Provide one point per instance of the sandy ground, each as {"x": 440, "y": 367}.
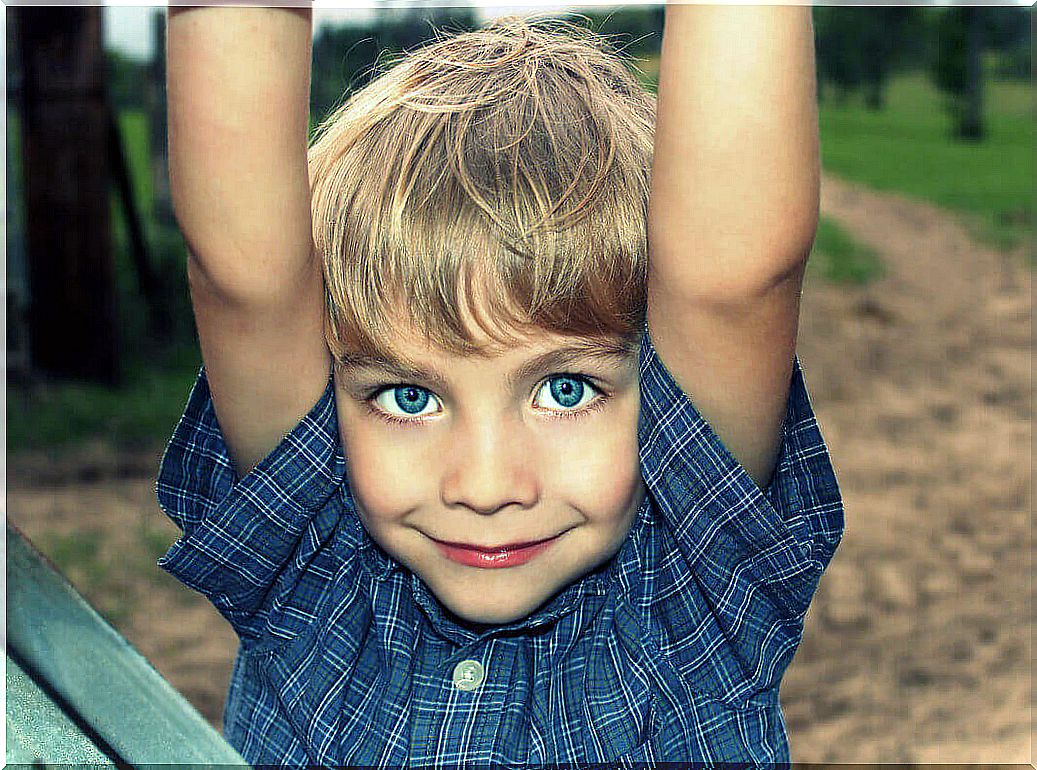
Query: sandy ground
{"x": 917, "y": 646}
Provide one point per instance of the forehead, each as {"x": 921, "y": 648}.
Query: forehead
{"x": 511, "y": 354}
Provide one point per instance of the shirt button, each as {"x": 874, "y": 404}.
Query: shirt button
{"x": 468, "y": 675}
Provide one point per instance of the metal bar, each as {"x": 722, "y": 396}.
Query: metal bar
{"x": 110, "y": 686}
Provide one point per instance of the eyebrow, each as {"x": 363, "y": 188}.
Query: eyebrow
{"x": 556, "y": 359}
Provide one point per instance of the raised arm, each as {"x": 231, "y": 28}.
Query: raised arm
{"x": 733, "y": 213}
{"x": 238, "y": 91}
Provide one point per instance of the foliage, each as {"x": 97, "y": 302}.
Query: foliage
{"x": 158, "y": 372}
{"x": 1015, "y": 62}
{"x": 962, "y": 35}
{"x": 1008, "y": 32}
{"x": 346, "y": 57}
{"x": 902, "y": 148}
{"x": 166, "y": 251}
{"x": 948, "y": 68}
{"x": 634, "y": 31}
{"x": 134, "y": 132}
{"x": 860, "y": 47}
{"x": 128, "y": 80}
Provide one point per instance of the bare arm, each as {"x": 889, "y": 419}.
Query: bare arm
{"x": 733, "y": 213}
{"x": 238, "y": 90}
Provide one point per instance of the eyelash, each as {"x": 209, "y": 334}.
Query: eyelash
{"x": 562, "y": 414}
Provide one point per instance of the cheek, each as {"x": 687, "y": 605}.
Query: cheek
{"x": 602, "y": 474}
{"x": 386, "y": 479}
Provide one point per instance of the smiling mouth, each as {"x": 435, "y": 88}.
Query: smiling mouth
{"x": 511, "y": 555}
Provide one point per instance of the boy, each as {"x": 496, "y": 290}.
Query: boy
{"x": 502, "y": 535}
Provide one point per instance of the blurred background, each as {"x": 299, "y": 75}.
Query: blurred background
{"x": 915, "y": 342}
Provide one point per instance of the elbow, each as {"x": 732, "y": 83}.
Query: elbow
{"x": 730, "y": 269}
{"x": 247, "y": 278}
{"x": 228, "y": 286}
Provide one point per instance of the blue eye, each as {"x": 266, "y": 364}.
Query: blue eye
{"x": 561, "y": 393}
{"x": 565, "y": 391}
{"x": 405, "y": 401}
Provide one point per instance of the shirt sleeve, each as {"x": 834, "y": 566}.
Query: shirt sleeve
{"x": 248, "y": 542}
{"x": 751, "y": 558}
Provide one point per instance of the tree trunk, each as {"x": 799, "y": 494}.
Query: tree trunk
{"x": 875, "y": 94}
{"x": 157, "y": 133}
{"x": 72, "y": 312}
{"x": 971, "y": 126}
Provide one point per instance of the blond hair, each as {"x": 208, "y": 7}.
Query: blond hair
{"x": 503, "y": 172}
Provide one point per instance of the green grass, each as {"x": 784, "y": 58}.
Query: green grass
{"x": 141, "y": 413}
{"x": 838, "y": 258}
{"x": 908, "y": 148}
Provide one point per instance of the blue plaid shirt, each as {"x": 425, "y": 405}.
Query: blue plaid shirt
{"x": 672, "y": 651}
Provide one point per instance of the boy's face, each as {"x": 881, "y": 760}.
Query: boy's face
{"x": 458, "y": 463}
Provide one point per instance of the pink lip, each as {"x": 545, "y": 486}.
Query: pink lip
{"x": 511, "y": 555}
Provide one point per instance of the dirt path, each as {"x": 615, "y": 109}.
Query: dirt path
{"x": 917, "y": 645}
{"x": 916, "y": 648}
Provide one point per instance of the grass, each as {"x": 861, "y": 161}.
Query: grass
{"x": 134, "y": 127}
{"x": 139, "y": 414}
{"x": 838, "y": 258}
{"x": 111, "y": 575}
{"x": 907, "y": 148}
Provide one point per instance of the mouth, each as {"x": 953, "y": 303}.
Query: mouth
{"x": 497, "y": 557}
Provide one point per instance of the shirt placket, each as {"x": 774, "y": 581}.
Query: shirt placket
{"x": 455, "y": 716}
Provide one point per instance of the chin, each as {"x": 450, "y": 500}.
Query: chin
{"x": 490, "y": 613}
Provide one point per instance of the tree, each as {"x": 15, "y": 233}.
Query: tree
{"x": 1009, "y": 32}
{"x": 65, "y": 113}
{"x": 345, "y": 56}
{"x": 838, "y": 62}
{"x": 957, "y": 68}
{"x": 636, "y": 31}
{"x": 127, "y": 80}
{"x": 858, "y": 48}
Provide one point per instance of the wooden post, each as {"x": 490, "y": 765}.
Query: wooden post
{"x": 72, "y": 313}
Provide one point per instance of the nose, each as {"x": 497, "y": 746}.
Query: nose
{"x": 488, "y": 467}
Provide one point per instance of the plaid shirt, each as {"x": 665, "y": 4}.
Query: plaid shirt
{"x": 671, "y": 651}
